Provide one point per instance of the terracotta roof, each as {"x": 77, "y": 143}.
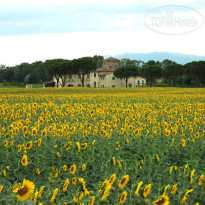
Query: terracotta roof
{"x": 104, "y": 73}
{"x": 112, "y": 59}
{"x": 106, "y": 69}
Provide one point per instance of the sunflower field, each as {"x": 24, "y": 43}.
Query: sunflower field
{"x": 102, "y": 146}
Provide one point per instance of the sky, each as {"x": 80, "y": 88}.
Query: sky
{"x": 37, "y": 30}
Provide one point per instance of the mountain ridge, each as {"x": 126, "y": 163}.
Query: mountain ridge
{"x": 159, "y": 56}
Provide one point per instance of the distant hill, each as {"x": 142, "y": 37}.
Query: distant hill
{"x": 160, "y": 56}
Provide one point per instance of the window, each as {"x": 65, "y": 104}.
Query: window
{"x": 113, "y": 86}
{"x": 138, "y": 82}
{"x": 70, "y": 85}
{"x": 130, "y": 85}
{"x": 113, "y": 78}
{"x": 88, "y": 85}
{"x": 88, "y": 76}
{"x": 70, "y": 76}
{"x": 142, "y": 82}
{"x": 94, "y": 74}
{"x": 79, "y": 77}
{"x": 79, "y": 85}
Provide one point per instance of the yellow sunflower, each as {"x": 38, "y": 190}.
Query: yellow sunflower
{"x": 65, "y": 168}
{"x": 123, "y": 181}
{"x": 119, "y": 164}
{"x": 27, "y": 134}
{"x": 24, "y": 160}
{"x": 25, "y": 191}
{"x": 78, "y": 145}
{"x": 73, "y": 169}
{"x": 43, "y": 133}
{"x": 138, "y": 188}
{"x": 93, "y": 142}
{"x": 74, "y": 180}
{"x": 34, "y": 131}
{"x": 41, "y": 191}
{"x": 68, "y": 145}
{"x": 191, "y": 176}
{"x": 19, "y": 148}
{"x": 146, "y": 191}
{"x": 29, "y": 145}
{"x": 184, "y": 198}
{"x": 162, "y": 200}
{"x": 81, "y": 195}
{"x": 54, "y": 195}
{"x": 1, "y": 188}
{"x": 113, "y": 161}
{"x": 174, "y": 189}
{"x": 39, "y": 142}
{"x": 112, "y": 179}
{"x": 83, "y": 167}
{"x": 35, "y": 196}
{"x": 183, "y": 143}
{"x": 123, "y": 197}
{"x": 84, "y": 145}
{"x": 200, "y": 180}
{"x": 6, "y": 143}
{"x": 165, "y": 189}
{"x": 65, "y": 185}
{"x": 106, "y": 192}
{"x": 25, "y": 129}
{"x": 38, "y": 171}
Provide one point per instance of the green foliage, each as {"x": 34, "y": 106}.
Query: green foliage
{"x": 125, "y": 72}
{"x": 58, "y": 68}
{"x": 172, "y": 72}
{"x": 83, "y": 66}
{"x": 98, "y": 60}
{"x": 196, "y": 72}
{"x": 151, "y": 72}
{"x": 147, "y": 119}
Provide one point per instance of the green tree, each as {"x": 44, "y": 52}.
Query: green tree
{"x": 166, "y": 62}
{"x": 126, "y": 61}
{"x": 57, "y": 68}
{"x": 196, "y": 72}
{"x": 83, "y": 66}
{"x": 172, "y": 72}
{"x": 2, "y": 72}
{"x": 125, "y": 72}
{"x": 38, "y": 73}
{"x": 151, "y": 72}
{"x": 98, "y": 60}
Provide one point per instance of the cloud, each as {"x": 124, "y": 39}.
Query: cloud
{"x": 61, "y": 16}
{"x": 30, "y": 48}
{"x": 41, "y": 29}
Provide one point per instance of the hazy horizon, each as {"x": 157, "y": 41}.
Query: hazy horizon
{"x": 39, "y": 30}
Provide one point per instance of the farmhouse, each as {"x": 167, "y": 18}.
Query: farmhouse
{"x": 103, "y": 77}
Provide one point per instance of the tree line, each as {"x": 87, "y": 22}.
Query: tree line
{"x": 165, "y": 73}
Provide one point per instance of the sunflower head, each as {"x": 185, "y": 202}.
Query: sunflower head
{"x": 146, "y": 191}
{"x": 29, "y": 145}
{"x": 25, "y": 191}
{"x": 24, "y": 160}
{"x": 123, "y": 197}
{"x": 123, "y": 181}
{"x": 162, "y": 200}
{"x": 73, "y": 169}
